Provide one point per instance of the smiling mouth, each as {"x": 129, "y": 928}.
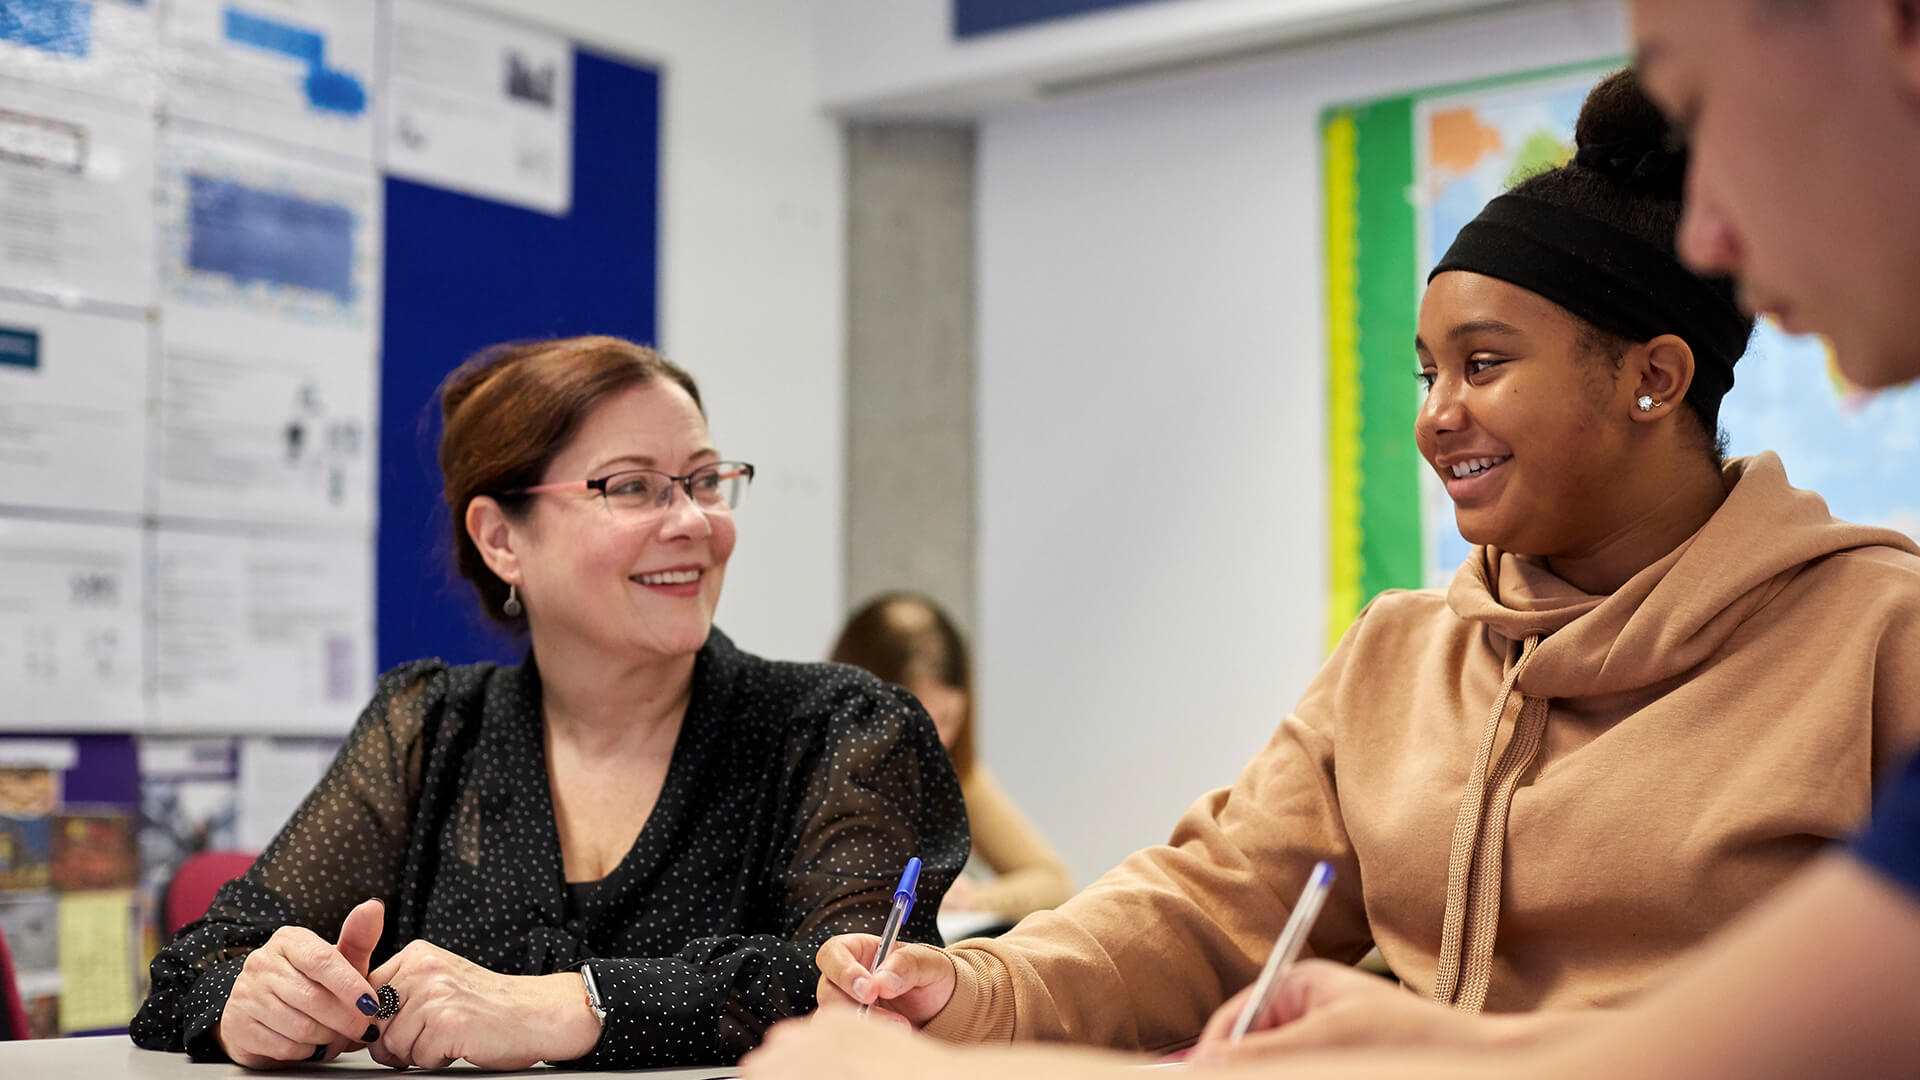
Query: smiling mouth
{"x": 669, "y": 577}
{"x": 1475, "y": 467}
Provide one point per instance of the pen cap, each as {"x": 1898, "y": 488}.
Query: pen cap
{"x": 909, "y": 881}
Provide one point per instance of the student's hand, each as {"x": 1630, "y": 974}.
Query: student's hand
{"x": 452, "y": 1009}
{"x": 837, "y": 1044}
{"x": 912, "y": 986}
{"x": 1321, "y": 1005}
{"x": 301, "y": 997}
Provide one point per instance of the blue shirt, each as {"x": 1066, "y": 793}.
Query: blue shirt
{"x": 1891, "y": 843}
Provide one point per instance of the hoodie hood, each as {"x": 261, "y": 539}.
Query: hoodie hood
{"x": 1677, "y": 612}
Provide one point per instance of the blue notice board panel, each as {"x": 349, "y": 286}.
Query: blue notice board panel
{"x": 463, "y": 273}
{"x": 974, "y": 17}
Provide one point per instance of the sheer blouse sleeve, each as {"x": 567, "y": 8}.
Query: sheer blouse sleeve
{"x": 347, "y": 842}
{"x": 862, "y": 789}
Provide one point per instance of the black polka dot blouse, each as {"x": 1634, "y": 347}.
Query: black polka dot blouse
{"x": 794, "y": 797}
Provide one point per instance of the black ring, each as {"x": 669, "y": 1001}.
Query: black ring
{"x": 389, "y": 1002}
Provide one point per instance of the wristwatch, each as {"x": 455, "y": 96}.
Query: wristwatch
{"x": 593, "y": 994}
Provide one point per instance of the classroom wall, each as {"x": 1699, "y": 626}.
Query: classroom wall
{"x": 1152, "y": 474}
{"x": 751, "y": 280}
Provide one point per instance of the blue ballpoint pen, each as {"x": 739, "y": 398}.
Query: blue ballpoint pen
{"x": 902, "y": 907}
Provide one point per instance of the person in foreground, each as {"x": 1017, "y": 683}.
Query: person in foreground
{"x": 1805, "y": 155}
{"x": 905, "y": 638}
{"x": 623, "y": 851}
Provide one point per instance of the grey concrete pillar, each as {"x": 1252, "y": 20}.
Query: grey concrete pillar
{"x": 910, "y": 371}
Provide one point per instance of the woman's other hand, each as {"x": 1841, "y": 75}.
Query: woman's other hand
{"x": 452, "y": 1009}
{"x": 301, "y": 997}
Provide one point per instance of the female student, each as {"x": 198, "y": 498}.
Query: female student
{"x": 623, "y": 851}
{"x": 906, "y": 639}
{"x": 1693, "y": 683}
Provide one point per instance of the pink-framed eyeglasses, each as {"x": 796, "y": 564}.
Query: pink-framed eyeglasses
{"x": 640, "y": 494}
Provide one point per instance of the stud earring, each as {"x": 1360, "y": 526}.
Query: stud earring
{"x": 1646, "y": 403}
{"x": 512, "y": 607}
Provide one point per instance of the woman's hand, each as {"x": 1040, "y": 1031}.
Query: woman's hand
{"x": 1321, "y": 1005}
{"x": 301, "y": 997}
{"x": 452, "y": 1009}
{"x": 912, "y": 986}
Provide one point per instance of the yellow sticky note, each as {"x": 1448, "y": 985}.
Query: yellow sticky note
{"x": 96, "y": 960}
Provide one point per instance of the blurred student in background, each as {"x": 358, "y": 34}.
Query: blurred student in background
{"x": 906, "y": 639}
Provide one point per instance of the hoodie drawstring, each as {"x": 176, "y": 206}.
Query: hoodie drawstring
{"x": 1479, "y": 836}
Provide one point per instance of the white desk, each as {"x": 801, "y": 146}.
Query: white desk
{"x": 115, "y": 1055}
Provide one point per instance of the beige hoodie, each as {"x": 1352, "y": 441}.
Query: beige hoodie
{"x": 1532, "y": 797}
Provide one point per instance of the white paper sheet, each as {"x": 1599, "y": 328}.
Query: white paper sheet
{"x": 31, "y": 921}
{"x": 73, "y": 409}
{"x": 71, "y": 655}
{"x": 260, "y": 420}
{"x": 960, "y": 925}
{"x": 267, "y": 634}
{"x": 275, "y": 775}
{"x": 76, "y": 222}
{"x": 479, "y": 105}
{"x": 53, "y": 755}
{"x": 269, "y": 338}
{"x": 100, "y": 47}
{"x": 298, "y": 72}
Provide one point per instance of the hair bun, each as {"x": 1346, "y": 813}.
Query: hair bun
{"x": 1637, "y": 163}
{"x": 1623, "y": 135}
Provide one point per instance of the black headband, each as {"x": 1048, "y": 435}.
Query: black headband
{"x": 1612, "y": 279}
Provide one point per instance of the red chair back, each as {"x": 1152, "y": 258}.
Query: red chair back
{"x": 13, "y": 1011}
{"x": 193, "y": 885}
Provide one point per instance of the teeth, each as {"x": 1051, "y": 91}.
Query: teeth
{"x": 1475, "y": 467}
{"x": 672, "y": 577}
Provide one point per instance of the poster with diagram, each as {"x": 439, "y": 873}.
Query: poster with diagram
{"x": 72, "y": 640}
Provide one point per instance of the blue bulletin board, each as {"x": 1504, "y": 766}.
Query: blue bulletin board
{"x": 463, "y": 273}
{"x": 972, "y": 18}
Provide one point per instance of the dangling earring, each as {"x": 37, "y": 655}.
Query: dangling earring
{"x": 1646, "y": 403}
{"x": 512, "y": 607}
